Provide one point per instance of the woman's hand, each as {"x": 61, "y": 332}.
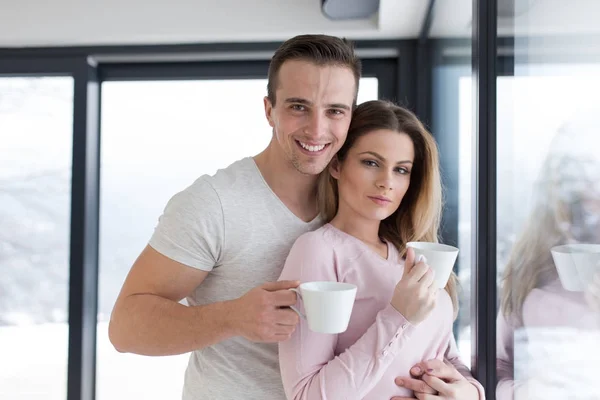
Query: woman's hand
{"x": 414, "y": 296}
{"x": 442, "y": 380}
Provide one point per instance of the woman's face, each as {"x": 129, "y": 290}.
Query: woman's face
{"x": 375, "y": 175}
{"x": 585, "y": 219}
{"x": 580, "y": 191}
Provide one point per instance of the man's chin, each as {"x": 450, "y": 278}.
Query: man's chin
{"x": 309, "y": 168}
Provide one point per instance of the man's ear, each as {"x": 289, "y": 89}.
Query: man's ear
{"x": 269, "y": 111}
{"x": 334, "y": 167}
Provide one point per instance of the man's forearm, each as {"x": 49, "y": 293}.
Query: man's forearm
{"x": 154, "y": 326}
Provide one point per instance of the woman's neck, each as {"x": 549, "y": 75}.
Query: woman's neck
{"x": 360, "y": 228}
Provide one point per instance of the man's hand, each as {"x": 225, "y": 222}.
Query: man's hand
{"x": 261, "y": 315}
{"x": 436, "y": 380}
{"x": 417, "y": 385}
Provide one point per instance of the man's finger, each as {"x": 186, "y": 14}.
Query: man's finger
{"x": 284, "y": 298}
{"x": 417, "y": 371}
{"x": 419, "y": 396}
{"x": 416, "y": 385}
{"x": 426, "y": 396}
{"x": 436, "y": 383}
{"x": 286, "y": 317}
{"x": 440, "y": 370}
{"x": 280, "y": 285}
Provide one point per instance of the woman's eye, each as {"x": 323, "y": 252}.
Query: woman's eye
{"x": 370, "y": 163}
{"x": 402, "y": 171}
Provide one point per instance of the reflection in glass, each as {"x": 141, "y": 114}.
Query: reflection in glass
{"x": 547, "y": 326}
{"x": 548, "y": 169}
{"x": 157, "y": 138}
{"x": 36, "y": 117}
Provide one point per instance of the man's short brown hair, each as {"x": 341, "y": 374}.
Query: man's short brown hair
{"x": 320, "y": 50}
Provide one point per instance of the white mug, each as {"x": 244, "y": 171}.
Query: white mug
{"x": 576, "y": 264}
{"x": 440, "y": 258}
{"x": 328, "y": 305}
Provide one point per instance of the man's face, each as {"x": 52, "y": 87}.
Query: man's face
{"x": 312, "y": 113}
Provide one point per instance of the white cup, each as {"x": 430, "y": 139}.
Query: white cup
{"x": 440, "y": 257}
{"x": 328, "y": 305}
{"x": 576, "y": 264}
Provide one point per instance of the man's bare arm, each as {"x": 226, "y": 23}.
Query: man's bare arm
{"x": 148, "y": 319}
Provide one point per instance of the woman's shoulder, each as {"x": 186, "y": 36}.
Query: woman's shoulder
{"x": 328, "y": 239}
{"x": 318, "y": 239}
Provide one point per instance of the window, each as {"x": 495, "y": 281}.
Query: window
{"x": 548, "y": 195}
{"x": 36, "y": 118}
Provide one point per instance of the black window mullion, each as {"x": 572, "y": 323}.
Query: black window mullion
{"x": 484, "y": 74}
{"x": 256, "y": 69}
{"x": 83, "y": 285}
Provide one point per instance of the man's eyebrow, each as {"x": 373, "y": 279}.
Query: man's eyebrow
{"x": 339, "y": 105}
{"x": 299, "y": 100}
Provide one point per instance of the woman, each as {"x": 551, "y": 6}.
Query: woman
{"x": 381, "y": 191}
{"x": 543, "y": 330}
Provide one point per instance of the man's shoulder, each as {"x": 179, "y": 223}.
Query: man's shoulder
{"x": 239, "y": 174}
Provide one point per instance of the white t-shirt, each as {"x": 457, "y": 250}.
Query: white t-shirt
{"x": 233, "y": 225}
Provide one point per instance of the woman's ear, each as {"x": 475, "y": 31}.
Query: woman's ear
{"x": 334, "y": 168}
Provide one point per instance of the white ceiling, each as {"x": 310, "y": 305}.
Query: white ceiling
{"x": 100, "y": 22}
{"x": 452, "y": 18}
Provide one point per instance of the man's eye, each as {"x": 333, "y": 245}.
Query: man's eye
{"x": 298, "y": 107}
{"x": 336, "y": 112}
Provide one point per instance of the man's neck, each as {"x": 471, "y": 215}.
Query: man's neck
{"x": 296, "y": 190}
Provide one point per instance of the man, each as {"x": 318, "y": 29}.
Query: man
{"x": 222, "y": 238}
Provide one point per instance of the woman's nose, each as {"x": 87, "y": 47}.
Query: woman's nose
{"x": 385, "y": 182}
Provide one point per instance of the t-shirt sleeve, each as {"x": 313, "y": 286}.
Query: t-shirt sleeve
{"x": 191, "y": 229}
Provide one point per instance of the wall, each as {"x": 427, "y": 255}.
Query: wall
{"x": 99, "y": 22}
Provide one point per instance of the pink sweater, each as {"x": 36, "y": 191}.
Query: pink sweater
{"x": 379, "y": 344}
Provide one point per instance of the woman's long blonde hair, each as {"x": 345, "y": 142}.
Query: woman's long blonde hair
{"x": 419, "y": 214}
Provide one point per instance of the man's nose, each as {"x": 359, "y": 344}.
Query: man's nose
{"x": 317, "y": 126}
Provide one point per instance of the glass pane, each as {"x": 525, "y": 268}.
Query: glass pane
{"x": 465, "y": 214}
{"x": 548, "y": 322}
{"x": 452, "y": 124}
{"x": 157, "y": 138}
{"x": 36, "y": 118}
